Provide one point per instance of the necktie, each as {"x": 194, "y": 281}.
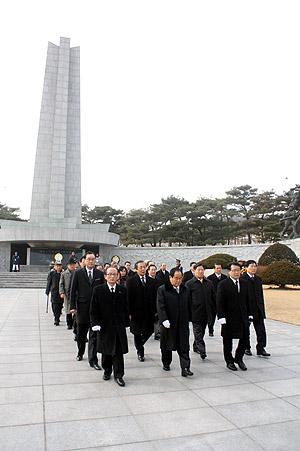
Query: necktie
{"x": 143, "y": 281}
{"x": 90, "y": 277}
{"x": 237, "y": 286}
{"x": 177, "y": 289}
{"x": 112, "y": 290}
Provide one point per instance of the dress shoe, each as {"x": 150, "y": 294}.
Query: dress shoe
{"x": 120, "y": 381}
{"x": 70, "y": 327}
{"x": 96, "y": 366}
{"x": 106, "y": 377}
{"x": 56, "y": 323}
{"x": 231, "y": 366}
{"x": 203, "y": 356}
{"x": 263, "y": 353}
{"x": 211, "y": 334}
{"x": 248, "y": 352}
{"x": 79, "y": 357}
{"x": 166, "y": 367}
{"x": 141, "y": 358}
{"x": 241, "y": 365}
{"x": 186, "y": 372}
{"x": 75, "y": 338}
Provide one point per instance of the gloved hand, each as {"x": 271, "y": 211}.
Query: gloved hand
{"x": 222, "y": 320}
{"x": 166, "y": 324}
{"x": 96, "y": 328}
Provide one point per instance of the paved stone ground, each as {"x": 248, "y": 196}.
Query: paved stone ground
{"x": 49, "y": 401}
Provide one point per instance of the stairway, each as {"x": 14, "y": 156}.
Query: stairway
{"x": 23, "y": 279}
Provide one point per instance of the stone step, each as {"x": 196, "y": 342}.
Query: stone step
{"x": 25, "y": 280}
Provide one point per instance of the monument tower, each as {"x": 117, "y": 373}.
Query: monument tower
{"x": 55, "y": 215}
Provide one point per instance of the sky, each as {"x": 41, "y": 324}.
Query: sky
{"x": 186, "y": 98}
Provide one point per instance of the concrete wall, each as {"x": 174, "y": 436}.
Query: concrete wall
{"x": 4, "y": 257}
{"x": 187, "y": 254}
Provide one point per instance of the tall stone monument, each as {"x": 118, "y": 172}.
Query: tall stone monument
{"x": 55, "y": 215}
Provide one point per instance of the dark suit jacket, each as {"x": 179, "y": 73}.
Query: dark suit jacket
{"x": 141, "y": 304}
{"x": 202, "y": 298}
{"x": 162, "y": 277}
{"x": 188, "y": 275}
{"x": 234, "y": 307}
{"x": 215, "y": 281}
{"x": 256, "y": 296}
{"x": 111, "y": 313}
{"x": 131, "y": 273}
{"x": 81, "y": 293}
{"x": 53, "y": 287}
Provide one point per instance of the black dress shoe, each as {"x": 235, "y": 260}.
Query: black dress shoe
{"x": 120, "y": 381}
{"x": 197, "y": 351}
{"x": 231, "y": 366}
{"x": 203, "y": 356}
{"x": 106, "y": 377}
{"x": 56, "y": 323}
{"x": 241, "y": 365}
{"x": 248, "y": 352}
{"x": 211, "y": 334}
{"x": 186, "y": 372}
{"x": 263, "y": 353}
{"x": 79, "y": 357}
{"x": 166, "y": 367}
{"x": 141, "y": 358}
{"x": 96, "y": 366}
{"x": 70, "y": 327}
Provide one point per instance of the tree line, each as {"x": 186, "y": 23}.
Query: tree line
{"x": 244, "y": 215}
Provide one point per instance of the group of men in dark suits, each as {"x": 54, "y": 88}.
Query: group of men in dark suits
{"x": 104, "y": 309}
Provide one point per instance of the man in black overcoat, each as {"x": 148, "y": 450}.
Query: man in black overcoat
{"x": 142, "y": 307}
{"x": 173, "y": 307}
{"x": 109, "y": 318}
{"x": 258, "y": 308}
{"x": 53, "y": 288}
{"x": 234, "y": 314}
{"x": 203, "y": 304}
{"x": 83, "y": 283}
{"x": 163, "y": 274}
{"x": 215, "y": 278}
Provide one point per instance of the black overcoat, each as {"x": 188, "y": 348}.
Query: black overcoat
{"x": 215, "y": 281}
{"x": 188, "y": 275}
{"x": 111, "y": 313}
{"x": 175, "y": 308}
{"x": 53, "y": 287}
{"x": 234, "y": 307}
{"x": 256, "y": 296}
{"x": 162, "y": 277}
{"x": 202, "y": 298}
{"x": 141, "y": 304}
{"x": 81, "y": 293}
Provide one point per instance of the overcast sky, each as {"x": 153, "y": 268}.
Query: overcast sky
{"x": 188, "y": 98}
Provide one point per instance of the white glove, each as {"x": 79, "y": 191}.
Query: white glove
{"x": 251, "y": 317}
{"x": 222, "y": 320}
{"x": 96, "y": 328}
{"x": 166, "y": 324}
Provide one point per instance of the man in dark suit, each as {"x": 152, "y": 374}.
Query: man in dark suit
{"x": 83, "y": 283}
{"x": 53, "y": 287}
{"x": 142, "y": 307}
{"x": 109, "y": 318}
{"x": 203, "y": 304}
{"x": 215, "y": 278}
{"x": 163, "y": 274}
{"x": 258, "y": 308}
{"x": 188, "y": 275}
{"x": 174, "y": 314}
{"x": 127, "y": 265}
{"x": 234, "y": 313}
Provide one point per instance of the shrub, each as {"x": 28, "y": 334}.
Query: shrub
{"x": 277, "y": 252}
{"x": 281, "y": 274}
{"x": 223, "y": 259}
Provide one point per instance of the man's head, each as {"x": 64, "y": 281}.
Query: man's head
{"x": 199, "y": 271}
{"x": 58, "y": 266}
{"x": 115, "y": 265}
{"x": 175, "y": 277}
{"x": 106, "y": 265}
{"x": 152, "y": 270}
{"x": 217, "y": 268}
{"x": 177, "y": 262}
{"x": 251, "y": 267}
{"x": 234, "y": 270}
{"x": 163, "y": 266}
{"x": 71, "y": 265}
{"x": 192, "y": 266}
{"x": 111, "y": 276}
{"x": 127, "y": 265}
{"x": 90, "y": 260}
{"x": 82, "y": 262}
{"x": 140, "y": 268}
